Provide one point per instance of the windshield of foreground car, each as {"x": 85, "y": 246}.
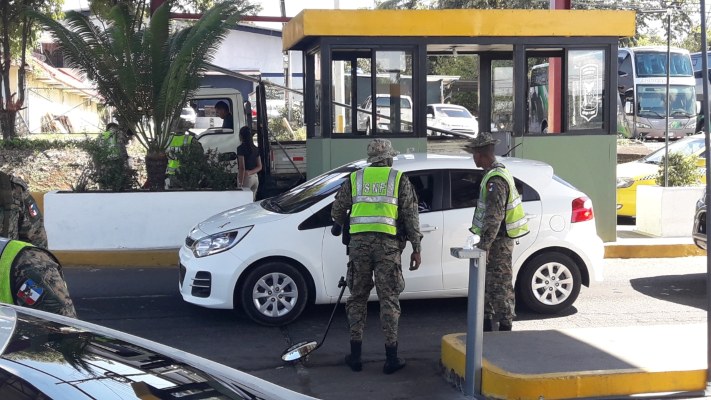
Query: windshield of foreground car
{"x": 310, "y": 192}
{"x": 685, "y": 147}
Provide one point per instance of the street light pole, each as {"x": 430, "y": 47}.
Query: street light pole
{"x": 666, "y": 118}
{"x": 707, "y": 125}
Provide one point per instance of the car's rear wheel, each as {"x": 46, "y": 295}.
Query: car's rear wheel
{"x": 274, "y": 294}
{"x": 549, "y": 283}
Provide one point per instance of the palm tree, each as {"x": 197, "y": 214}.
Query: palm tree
{"x": 145, "y": 72}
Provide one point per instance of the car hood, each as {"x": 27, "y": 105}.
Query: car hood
{"x": 467, "y": 122}
{"x": 636, "y": 170}
{"x": 246, "y": 215}
{"x": 71, "y": 359}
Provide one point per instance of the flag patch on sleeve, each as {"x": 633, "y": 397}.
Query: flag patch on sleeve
{"x": 29, "y": 292}
{"x": 32, "y": 209}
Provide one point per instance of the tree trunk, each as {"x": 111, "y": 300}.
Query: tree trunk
{"x": 7, "y": 124}
{"x": 156, "y": 164}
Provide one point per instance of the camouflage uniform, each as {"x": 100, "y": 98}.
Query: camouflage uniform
{"x": 20, "y": 217}
{"x": 36, "y": 271}
{"x": 375, "y": 254}
{"x": 499, "y": 292}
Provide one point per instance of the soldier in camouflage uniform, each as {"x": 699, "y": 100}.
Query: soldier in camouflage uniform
{"x": 32, "y": 277}
{"x": 20, "y": 218}
{"x": 499, "y": 300}
{"x": 376, "y": 246}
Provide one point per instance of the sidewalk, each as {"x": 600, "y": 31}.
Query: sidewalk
{"x": 592, "y": 362}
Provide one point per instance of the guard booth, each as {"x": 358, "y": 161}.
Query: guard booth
{"x": 546, "y": 84}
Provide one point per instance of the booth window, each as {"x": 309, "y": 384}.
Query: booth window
{"x": 586, "y": 89}
{"x": 313, "y": 66}
{"x": 545, "y": 93}
{"x": 371, "y": 92}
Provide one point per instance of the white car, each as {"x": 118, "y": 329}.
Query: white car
{"x": 275, "y": 257}
{"x": 451, "y": 117}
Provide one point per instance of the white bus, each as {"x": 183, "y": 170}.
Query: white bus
{"x": 641, "y": 81}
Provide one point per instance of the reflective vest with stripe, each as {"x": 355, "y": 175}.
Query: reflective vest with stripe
{"x": 516, "y": 222}
{"x": 8, "y": 252}
{"x": 176, "y": 145}
{"x": 374, "y": 192}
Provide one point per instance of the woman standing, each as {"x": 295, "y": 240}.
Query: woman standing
{"x": 248, "y": 162}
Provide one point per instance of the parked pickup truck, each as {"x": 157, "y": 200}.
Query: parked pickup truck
{"x": 382, "y": 112}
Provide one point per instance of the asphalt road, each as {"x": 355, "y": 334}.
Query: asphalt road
{"x": 146, "y": 303}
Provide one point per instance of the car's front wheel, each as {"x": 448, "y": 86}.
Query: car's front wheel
{"x": 274, "y": 294}
{"x": 549, "y": 283}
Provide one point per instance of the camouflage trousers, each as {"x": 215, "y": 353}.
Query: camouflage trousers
{"x": 374, "y": 255}
{"x": 499, "y": 299}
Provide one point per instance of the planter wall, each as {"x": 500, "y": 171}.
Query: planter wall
{"x": 131, "y": 221}
{"x": 667, "y": 211}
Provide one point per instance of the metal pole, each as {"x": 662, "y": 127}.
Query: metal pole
{"x": 475, "y": 318}
{"x": 666, "y": 117}
{"x": 707, "y": 123}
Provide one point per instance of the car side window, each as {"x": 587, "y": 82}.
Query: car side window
{"x": 17, "y": 388}
{"x": 320, "y": 219}
{"x": 424, "y": 185}
{"x": 464, "y": 188}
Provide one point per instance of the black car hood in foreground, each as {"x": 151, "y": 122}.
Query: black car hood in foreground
{"x": 46, "y": 356}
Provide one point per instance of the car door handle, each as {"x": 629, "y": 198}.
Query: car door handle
{"x": 428, "y": 228}
{"x": 531, "y": 216}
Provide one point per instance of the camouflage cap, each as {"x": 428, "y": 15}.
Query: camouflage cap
{"x": 379, "y": 150}
{"x": 481, "y": 140}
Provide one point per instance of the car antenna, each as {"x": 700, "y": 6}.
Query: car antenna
{"x": 511, "y": 149}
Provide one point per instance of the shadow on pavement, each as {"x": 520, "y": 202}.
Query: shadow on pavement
{"x": 688, "y": 289}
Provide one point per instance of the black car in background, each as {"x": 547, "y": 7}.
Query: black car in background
{"x": 45, "y": 356}
{"x": 699, "y": 233}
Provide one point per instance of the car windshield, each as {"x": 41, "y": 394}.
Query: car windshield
{"x": 455, "y": 112}
{"x": 686, "y": 147}
{"x": 310, "y": 192}
{"x": 654, "y": 64}
{"x": 385, "y": 102}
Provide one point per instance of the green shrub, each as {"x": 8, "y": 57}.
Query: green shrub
{"x": 200, "y": 170}
{"x": 279, "y": 130}
{"x": 682, "y": 170}
{"x": 106, "y": 169}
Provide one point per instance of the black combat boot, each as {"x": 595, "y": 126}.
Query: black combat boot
{"x": 353, "y": 360}
{"x": 488, "y": 325}
{"x": 505, "y": 325}
{"x": 392, "y": 363}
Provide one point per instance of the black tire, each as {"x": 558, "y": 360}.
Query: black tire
{"x": 549, "y": 283}
{"x": 274, "y": 294}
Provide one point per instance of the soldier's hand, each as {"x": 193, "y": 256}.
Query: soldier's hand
{"x": 415, "y": 261}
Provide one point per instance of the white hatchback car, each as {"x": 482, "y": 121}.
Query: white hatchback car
{"x": 274, "y": 257}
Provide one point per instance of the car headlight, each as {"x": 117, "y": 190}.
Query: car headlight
{"x": 691, "y": 124}
{"x": 642, "y": 125}
{"x": 219, "y": 242}
{"x": 624, "y": 182}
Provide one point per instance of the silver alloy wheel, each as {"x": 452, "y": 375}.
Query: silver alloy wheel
{"x": 552, "y": 283}
{"x": 275, "y": 294}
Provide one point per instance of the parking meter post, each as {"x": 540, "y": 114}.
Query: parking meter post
{"x": 475, "y": 318}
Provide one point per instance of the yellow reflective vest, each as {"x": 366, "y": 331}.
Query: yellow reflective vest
{"x": 8, "y": 252}
{"x": 176, "y": 144}
{"x": 516, "y": 222}
{"x": 375, "y": 191}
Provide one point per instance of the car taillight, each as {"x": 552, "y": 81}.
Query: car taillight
{"x": 582, "y": 210}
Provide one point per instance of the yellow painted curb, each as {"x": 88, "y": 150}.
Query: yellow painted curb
{"x": 123, "y": 258}
{"x": 652, "y": 251}
{"x": 501, "y": 384}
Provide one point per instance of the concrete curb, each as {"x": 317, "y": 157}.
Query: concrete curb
{"x": 657, "y": 250}
{"x": 502, "y": 378}
{"x": 122, "y": 258}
